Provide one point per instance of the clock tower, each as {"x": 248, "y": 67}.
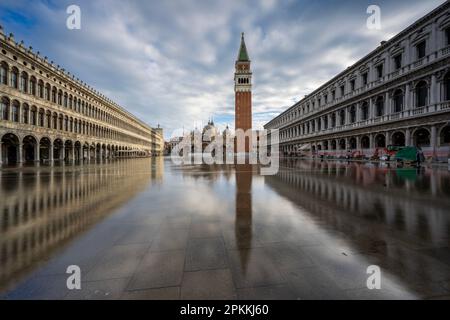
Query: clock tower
{"x": 243, "y": 91}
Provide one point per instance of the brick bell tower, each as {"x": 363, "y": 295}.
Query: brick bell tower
{"x": 243, "y": 92}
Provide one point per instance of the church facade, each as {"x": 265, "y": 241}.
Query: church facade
{"x": 397, "y": 95}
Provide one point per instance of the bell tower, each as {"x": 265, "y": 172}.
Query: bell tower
{"x": 243, "y": 89}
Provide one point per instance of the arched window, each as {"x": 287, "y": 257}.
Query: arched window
{"x": 47, "y": 92}
{"x": 41, "y": 117}
{"x": 55, "y": 121}
{"x": 15, "y": 111}
{"x": 364, "y": 111}
{"x": 379, "y": 107}
{"x": 33, "y": 116}
{"x": 333, "y": 144}
{"x": 342, "y": 117}
{"x": 352, "y": 143}
{"x": 4, "y": 73}
{"x": 398, "y": 139}
{"x": 15, "y": 78}
{"x": 333, "y": 120}
{"x": 352, "y": 114}
{"x": 54, "y": 93}
{"x": 380, "y": 141}
{"x": 23, "y": 82}
{"x": 365, "y": 142}
{"x": 60, "y": 97}
{"x": 32, "y": 86}
{"x": 421, "y": 94}
{"x": 398, "y": 101}
{"x": 447, "y": 86}
{"x": 445, "y": 136}
{"x": 26, "y": 113}
{"x": 65, "y": 100}
{"x": 41, "y": 89}
{"x": 48, "y": 119}
{"x": 422, "y": 138}
{"x": 4, "y": 108}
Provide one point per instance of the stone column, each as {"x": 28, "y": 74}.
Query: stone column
{"x": 433, "y": 141}
{"x": 38, "y": 153}
{"x": 433, "y": 90}
{"x": 20, "y": 153}
{"x": 347, "y": 115}
{"x": 371, "y": 113}
{"x": 73, "y": 153}
{"x": 358, "y": 112}
{"x": 388, "y": 104}
{"x": 371, "y": 142}
{"x": 20, "y": 114}
{"x": 50, "y": 152}
{"x": 407, "y": 97}
{"x": 407, "y": 137}
{"x": 1, "y": 153}
{"x": 388, "y": 138}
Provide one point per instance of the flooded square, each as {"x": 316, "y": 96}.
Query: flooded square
{"x": 149, "y": 229}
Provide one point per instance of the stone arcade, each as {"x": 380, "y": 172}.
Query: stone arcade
{"x": 48, "y": 115}
{"x": 399, "y": 94}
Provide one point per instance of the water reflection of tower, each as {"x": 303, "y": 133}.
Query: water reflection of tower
{"x": 243, "y": 221}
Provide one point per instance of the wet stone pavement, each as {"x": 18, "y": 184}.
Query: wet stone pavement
{"x": 148, "y": 229}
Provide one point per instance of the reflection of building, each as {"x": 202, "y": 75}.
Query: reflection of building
{"x": 376, "y": 208}
{"x": 42, "y": 211}
{"x": 399, "y": 94}
{"x": 243, "y": 220}
{"x": 243, "y": 92}
{"x": 47, "y": 114}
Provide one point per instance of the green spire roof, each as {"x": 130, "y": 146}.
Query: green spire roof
{"x": 243, "y": 55}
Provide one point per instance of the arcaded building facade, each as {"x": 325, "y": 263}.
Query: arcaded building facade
{"x": 46, "y": 114}
{"x": 399, "y": 94}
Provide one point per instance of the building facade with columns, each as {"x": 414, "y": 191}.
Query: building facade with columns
{"x": 46, "y": 114}
{"x": 398, "y": 94}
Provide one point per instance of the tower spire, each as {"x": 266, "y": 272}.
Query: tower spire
{"x": 242, "y": 55}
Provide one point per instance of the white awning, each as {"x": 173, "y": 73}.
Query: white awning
{"x": 305, "y": 147}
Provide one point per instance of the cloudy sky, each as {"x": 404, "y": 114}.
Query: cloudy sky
{"x": 171, "y": 62}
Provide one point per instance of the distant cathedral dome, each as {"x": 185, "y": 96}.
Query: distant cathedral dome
{"x": 209, "y": 131}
